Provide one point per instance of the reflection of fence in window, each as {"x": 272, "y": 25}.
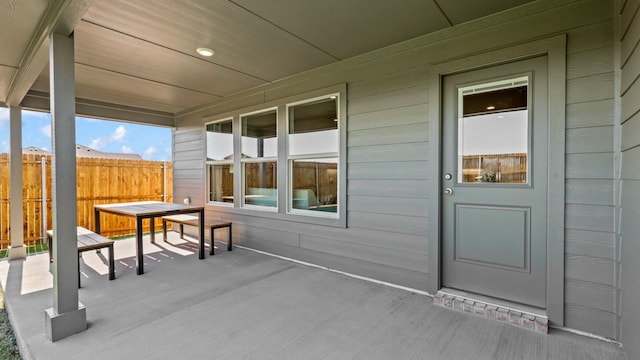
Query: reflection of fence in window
{"x": 318, "y": 179}
{"x": 261, "y": 183}
{"x": 221, "y": 186}
{"x": 260, "y": 175}
{"x": 499, "y": 168}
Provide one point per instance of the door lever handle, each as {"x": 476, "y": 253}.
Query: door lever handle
{"x": 448, "y": 191}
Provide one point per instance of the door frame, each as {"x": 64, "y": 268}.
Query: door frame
{"x": 555, "y": 50}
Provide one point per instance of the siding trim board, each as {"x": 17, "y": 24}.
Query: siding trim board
{"x": 555, "y": 49}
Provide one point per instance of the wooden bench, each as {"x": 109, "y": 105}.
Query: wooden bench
{"x": 88, "y": 240}
{"x": 193, "y": 221}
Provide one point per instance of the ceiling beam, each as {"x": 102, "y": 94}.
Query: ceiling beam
{"x": 61, "y": 16}
{"x": 39, "y": 101}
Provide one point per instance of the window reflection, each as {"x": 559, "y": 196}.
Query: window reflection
{"x": 315, "y": 184}
{"x": 221, "y": 182}
{"x": 220, "y": 160}
{"x": 313, "y": 146}
{"x": 261, "y": 183}
{"x": 493, "y": 133}
{"x": 259, "y": 148}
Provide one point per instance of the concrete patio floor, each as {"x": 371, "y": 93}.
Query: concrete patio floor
{"x": 247, "y": 305}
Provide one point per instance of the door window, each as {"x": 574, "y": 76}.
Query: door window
{"x": 493, "y": 132}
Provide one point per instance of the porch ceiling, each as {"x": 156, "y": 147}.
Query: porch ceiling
{"x": 141, "y": 54}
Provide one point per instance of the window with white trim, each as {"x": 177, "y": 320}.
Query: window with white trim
{"x": 288, "y": 158}
{"x": 260, "y": 159}
{"x": 313, "y": 155}
{"x": 220, "y": 161}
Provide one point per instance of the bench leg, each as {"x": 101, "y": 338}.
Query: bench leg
{"x": 79, "y": 270}
{"x": 112, "y": 264}
{"x": 49, "y": 240}
{"x": 182, "y": 231}
{"x": 152, "y": 230}
{"x": 230, "y": 243}
{"x": 164, "y": 230}
{"x": 212, "y": 232}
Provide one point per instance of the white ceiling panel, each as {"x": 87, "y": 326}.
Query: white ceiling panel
{"x": 348, "y": 28}
{"x": 241, "y": 40}
{"x": 18, "y": 21}
{"x": 101, "y": 85}
{"x": 467, "y": 10}
{"x": 108, "y": 50}
{"x": 141, "y": 53}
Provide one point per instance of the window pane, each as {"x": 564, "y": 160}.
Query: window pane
{"x": 315, "y": 184}
{"x": 313, "y": 127}
{"x": 493, "y": 133}
{"x": 220, "y": 141}
{"x": 261, "y": 183}
{"x": 221, "y": 182}
{"x": 259, "y": 135}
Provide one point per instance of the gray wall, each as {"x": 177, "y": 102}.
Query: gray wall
{"x": 388, "y": 157}
{"x": 630, "y": 173}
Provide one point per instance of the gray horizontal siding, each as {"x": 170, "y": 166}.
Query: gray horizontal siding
{"x": 589, "y": 192}
{"x": 630, "y": 172}
{"x": 416, "y": 207}
{"x": 590, "y": 114}
{"x": 392, "y": 188}
{"x": 589, "y": 166}
{"x": 389, "y": 155}
{"x": 413, "y": 114}
{"x": 407, "y": 170}
{"x": 417, "y": 151}
{"x": 630, "y": 131}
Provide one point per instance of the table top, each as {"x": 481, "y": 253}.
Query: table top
{"x": 146, "y": 208}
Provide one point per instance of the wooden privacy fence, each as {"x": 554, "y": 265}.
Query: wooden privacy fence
{"x": 99, "y": 181}
{"x": 500, "y": 168}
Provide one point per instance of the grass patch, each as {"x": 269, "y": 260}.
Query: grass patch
{"x": 8, "y": 346}
{"x": 34, "y": 249}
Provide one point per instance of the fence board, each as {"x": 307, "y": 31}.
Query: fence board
{"x": 99, "y": 181}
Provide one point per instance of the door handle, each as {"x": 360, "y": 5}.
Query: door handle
{"x": 448, "y": 191}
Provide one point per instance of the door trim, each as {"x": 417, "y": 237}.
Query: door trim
{"x": 555, "y": 50}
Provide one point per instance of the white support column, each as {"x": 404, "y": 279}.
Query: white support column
{"x": 67, "y": 316}
{"x": 17, "y": 250}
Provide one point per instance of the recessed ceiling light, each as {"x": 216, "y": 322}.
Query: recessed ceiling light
{"x": 205, "y": 51}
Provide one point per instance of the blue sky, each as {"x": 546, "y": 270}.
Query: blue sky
{"x": 151, "y": 142}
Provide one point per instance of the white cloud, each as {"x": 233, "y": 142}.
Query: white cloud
{"x": 118, "y": 135}
{"x": 127, "y": 149}
{"x": 46, "y": 130}
{"x": 4, "y": 147}
{"x": 149, "y": 152}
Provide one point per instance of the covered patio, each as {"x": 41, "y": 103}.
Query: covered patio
{"x": 387, "y": 83}
{"x": 248, "y": 305}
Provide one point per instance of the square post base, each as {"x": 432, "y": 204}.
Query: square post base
{"x": 59, "y": 326}
{"x": 17, "y": 252}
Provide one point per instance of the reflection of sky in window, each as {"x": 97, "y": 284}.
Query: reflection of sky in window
{"x": 250, "y": 147}
{"x": 499, "y": 133}
{"x": 317, "y": 142}
{"x": 219, "y": 145}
